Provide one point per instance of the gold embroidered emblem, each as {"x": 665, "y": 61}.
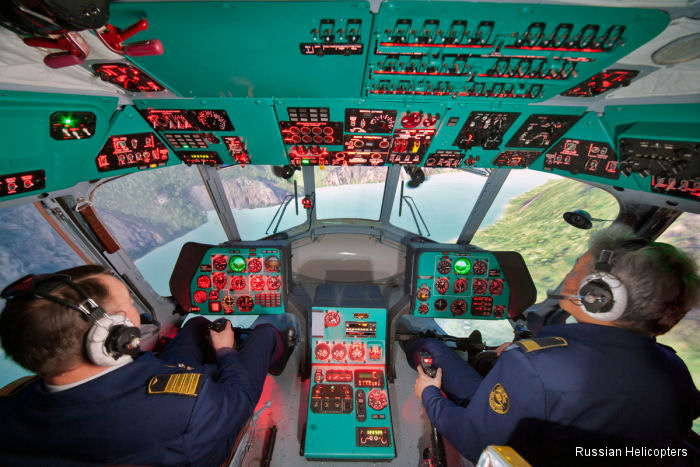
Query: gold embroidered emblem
{"x": 499, "y": 400}
{"x": 186, "y": 384}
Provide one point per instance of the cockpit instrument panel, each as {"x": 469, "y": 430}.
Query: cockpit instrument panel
{"x": 542, "y": 130}
{"x": 452, "y": 281}
{"x": 236, "y": 278}
{"x": 581, "y": 156}
{"x": 142, "y": 150}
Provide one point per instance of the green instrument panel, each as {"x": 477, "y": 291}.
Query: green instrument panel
{"x": 460, "y": 285}
{"x": 239, "y": 281}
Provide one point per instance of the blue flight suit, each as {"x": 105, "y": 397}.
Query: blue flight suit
{"x": 114, "y": 420}
{"x": 595, "y": 386}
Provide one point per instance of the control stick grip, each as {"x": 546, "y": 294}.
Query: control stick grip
{"x": 426, "y": 362}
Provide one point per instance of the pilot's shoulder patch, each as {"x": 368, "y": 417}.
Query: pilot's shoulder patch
{"x": 541, "y": 343}
{"x": 186, "y": 384}
{"x": 17, "y": 386}
{"x": 499, "y": 400}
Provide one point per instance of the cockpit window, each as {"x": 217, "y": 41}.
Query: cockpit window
{"x": 349, "y": 192}
{"x": 153, "y": 213}
{"x": 683, "y": 234}
{"x": 438, "y": 207}
{"x": 262, "y": 201}
{"x": 28, "y": 245}
{"x": 526, "y": 217}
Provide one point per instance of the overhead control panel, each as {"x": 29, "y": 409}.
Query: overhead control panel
{"x": 349, "y": 414}
{"x": 516, "y": 52}
{"x": 235, "y": 278}
{"x": 454, "y": 281}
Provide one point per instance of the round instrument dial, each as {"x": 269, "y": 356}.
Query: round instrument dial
{"x": 238, "y": 282}
{"x": 219, "y": 280}
{"x": 203, "y": 282}
{"x": 423, "y": 308}
{"x": 462, "y": 266}
{"x": 499, "y": 311}
{"x": 228, "y": 303}
{"x": 411, "y": 119}
{"x": 357, "y": 351}
{"x": 383, "y": 121}
{"x": 479, "y": 286}
{"x": 274, "y": 282}
{"x": 444, "y": 266}
{"x": 245, "y": 303}
{"x": 331, "y": 319}
{"x": 480, "y": 267}
{"x": 257, "y": 282}
{"x": 440, "y": 304}
{"x": 458, "y": 307}
{"x": 212, "y": 120}
{"x": 254, "y": 265}
{"x": 272, "y": 264}
{"x": 339, "y": 351}
{"x": 322, "y": 351}
{"x": 496, "y": 287}
{"x": 377, "y": 399}
{"x": 219, "y": 262}
{"x": 375, "y": 352}
{"x": 461, "y": 285}
{"x": 442, "y": 284}
{"x": 200, "y": 296}
{"x": 213, "y": 295}
{"x": 423, "y": 293}
{"x": 236, "y": 263}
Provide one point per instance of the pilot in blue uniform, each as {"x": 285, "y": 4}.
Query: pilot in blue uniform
{"x": 134, "y": 408}
{"x": 588, "y": 393}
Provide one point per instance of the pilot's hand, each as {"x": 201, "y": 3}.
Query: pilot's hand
{"x": 502, "y": 347}
{"x": 423, "y": 381}
{"x": 223, "y": 339}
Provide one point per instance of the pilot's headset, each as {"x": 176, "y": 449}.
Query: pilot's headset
{"x": 111, "y": 340}
{"x": 602, "y": 294}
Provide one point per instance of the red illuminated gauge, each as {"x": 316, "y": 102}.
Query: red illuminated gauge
{"x": 213, "y": 120}
{"x": 219, "y": 280}
{"x": 479, "y": 267}
{"x": 203, "y": 282}
{"x": 377, "y": 399}
{"x": 339, "y": 351}
{"x": 423, "y": 308}
{"x": 272, "y": 264}
{"x": 332, "y": 319}
{"x": 213, "y": 295}
{"x": 200, "y": 296}
{"x": 375, "y": 352}
{"x": 458, "y": 307}
{"x": 238, "y": 282}
{"x": 442, "y": 284}
{"x": 461, "y": 285}
{"x": 444, "y": 266}
{"x": 228, "y": 302}
{"x": 423, "y": 293}
{"x": 411, "y": 119}
{"x": 357, "y": 351}
{"x": 479, "y": 286}
{"x": 499, "y": 311}
{"x": 254, "y": 265}
{"x": 245, "y": 303}
{"x": 257, "y": 282}
{"x": 274, "y": 282}
{"x": 219, "y": 262}
{"x": 496, "y": 287}
{"x": 322, "y": 351}
{"x": 440, "y": 304}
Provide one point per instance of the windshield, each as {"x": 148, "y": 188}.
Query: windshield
{"x": 349, "y": 192}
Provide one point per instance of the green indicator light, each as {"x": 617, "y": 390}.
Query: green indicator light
{"x": 305, "y": 161}
{"x": 67, "y": 121}
{"x": 462, "y": 266}
{"x": 185, "y": 146}
{"x": 236, "y": 263}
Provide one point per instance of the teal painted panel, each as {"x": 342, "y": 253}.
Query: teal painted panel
{"x": 463, "y": 285}
{"x": 513, "y": 52}
{"x": 249, "y": 49}
{"x": 253, "y": 120}
{"x": 241, "y": 281}
{"x": 333, "y": 435}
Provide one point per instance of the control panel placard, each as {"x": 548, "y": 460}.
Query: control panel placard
{"x": 239, "y": 281}
{"x": 467, "y": 285}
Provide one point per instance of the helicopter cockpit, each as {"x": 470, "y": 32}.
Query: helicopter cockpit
{"x": 355, "y": 168}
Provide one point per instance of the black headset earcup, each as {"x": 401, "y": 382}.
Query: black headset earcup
{"x": 112, "y": 340}
{"x": 600, "y": 296}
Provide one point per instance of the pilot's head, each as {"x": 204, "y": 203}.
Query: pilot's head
{"x": 661, "y": 282}
{"x": 48, "y": 338}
